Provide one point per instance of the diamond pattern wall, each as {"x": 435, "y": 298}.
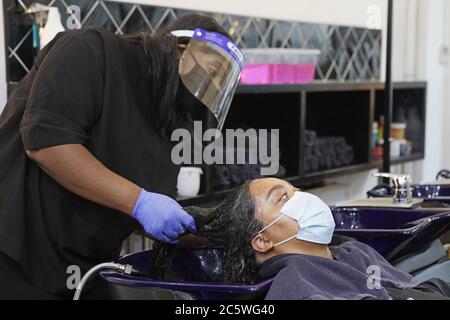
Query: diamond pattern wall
{"x": 347, "y": 53}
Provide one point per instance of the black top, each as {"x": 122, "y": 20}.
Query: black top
{"x": 87, "y": 87}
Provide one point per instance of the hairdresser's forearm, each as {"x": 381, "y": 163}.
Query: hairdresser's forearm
{"x": 76, "y": 169}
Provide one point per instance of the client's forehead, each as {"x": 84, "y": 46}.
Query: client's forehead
{"x": 263, "y": 186}
{"x": 263, "y": 192}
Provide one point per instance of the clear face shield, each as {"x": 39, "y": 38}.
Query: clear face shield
{"x": 210, "y": 68}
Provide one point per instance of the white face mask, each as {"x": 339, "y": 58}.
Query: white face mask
{"x": 316, "y": 222}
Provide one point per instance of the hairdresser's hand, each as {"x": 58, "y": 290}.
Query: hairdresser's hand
{"x": 162, "y": 217}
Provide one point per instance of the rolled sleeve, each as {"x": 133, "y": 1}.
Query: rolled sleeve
{"x": 66, "y": 96}
{"x": 42, "y": 129}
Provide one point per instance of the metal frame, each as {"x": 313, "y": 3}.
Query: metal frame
{"x": 389, "y": 89}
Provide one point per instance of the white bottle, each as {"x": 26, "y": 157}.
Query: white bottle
{"x": 52, "y": 27}
{"x": 188, "y": 183}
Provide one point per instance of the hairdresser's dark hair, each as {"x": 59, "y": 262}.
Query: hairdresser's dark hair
{"x": 171, "y": 102}
{"x": 232, "y": 224}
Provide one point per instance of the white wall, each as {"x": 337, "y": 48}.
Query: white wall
{"x": 422, "y": 29}
{"x": 434, "y": 74}
{"x": 348, "y": 187}
{"x": 446, "y": 107}
{"x": 406, "y": 38}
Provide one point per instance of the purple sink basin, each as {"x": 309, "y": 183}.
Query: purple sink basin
{"x": 197, "y": 272}
{"x": 394, "y": 233}
{"x": 432, "y": 191}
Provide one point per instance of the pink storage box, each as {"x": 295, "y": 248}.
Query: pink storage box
{"x": 279, "y": 66}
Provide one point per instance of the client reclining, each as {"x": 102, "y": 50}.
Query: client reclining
{"x": 268, "y": 228}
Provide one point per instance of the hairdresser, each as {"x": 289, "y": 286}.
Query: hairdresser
{"x": 86, "y": 143}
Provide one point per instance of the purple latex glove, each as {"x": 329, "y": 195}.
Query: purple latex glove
{"x": 162, "y": 217}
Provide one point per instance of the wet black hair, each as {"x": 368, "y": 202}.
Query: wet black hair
{"x": 171, "y": 104}
{"x": 231, "y": 224}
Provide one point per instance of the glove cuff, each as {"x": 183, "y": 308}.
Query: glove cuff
{"x": 135, "y": 212}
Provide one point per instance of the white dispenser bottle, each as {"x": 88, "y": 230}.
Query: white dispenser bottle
{"x": 52, "y": 27}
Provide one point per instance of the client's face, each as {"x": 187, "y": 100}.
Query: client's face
{"x": 270, "y": 195}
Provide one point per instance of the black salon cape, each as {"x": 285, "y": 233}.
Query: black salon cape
{"x": 349, "y": 277}
{"x": 87, "y": 87}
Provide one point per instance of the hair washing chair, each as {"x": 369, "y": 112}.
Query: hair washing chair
{"x": 197, "y": 273}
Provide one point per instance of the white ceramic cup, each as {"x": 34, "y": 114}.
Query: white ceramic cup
{"x": 188, "y": 184}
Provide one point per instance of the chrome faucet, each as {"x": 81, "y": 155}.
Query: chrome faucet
{"x": 402, "y": 186}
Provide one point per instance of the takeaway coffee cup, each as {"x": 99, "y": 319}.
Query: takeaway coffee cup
{"x": 188, "y": 184}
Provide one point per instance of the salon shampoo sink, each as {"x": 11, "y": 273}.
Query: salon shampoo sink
{"x": 394, "y": 232}
{"x": 195, "y": 274}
